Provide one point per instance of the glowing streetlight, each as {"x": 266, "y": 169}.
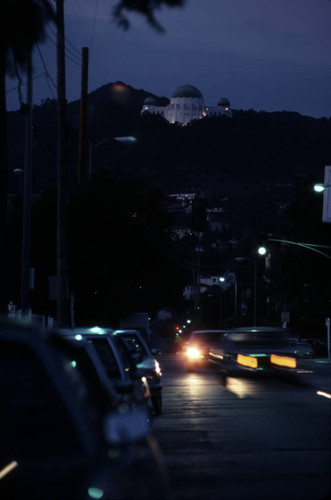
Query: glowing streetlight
{"x": 323, "y": 188}
{"x": 262, "y": 251}
{"x": 319, "y": 188}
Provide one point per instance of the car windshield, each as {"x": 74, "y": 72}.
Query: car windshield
{"x": 203, "y": 337}
{"x": 253, "y": 339}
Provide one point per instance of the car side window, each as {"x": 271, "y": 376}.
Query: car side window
{"x": 34, "y": 420}
{"x": 106, "y": 357}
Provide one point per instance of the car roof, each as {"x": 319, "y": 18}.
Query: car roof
{"x": 87, "y": 334}
{"x": 264, "y": 329}
{"x": 209, "y": 331}
{"x": 259, "y": 329}
{"x": 84, "y": 330}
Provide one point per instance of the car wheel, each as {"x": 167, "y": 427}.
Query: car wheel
{"x": 157, "y": 404}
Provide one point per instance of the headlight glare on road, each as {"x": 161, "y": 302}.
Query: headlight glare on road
{"x": 249, "y": 361}
{"x": 284, "y": 361}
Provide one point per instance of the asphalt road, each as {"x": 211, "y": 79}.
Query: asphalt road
{"x": 247, "y": 440}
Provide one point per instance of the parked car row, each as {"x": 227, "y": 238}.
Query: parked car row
{"x": 75, "y": 418}
{"x": 237, "y": 351}
{"x": 146, "y": 363}
{"x": 112, "y": 362}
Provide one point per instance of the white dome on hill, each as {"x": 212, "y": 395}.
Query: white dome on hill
{"x": 186, "y": 105}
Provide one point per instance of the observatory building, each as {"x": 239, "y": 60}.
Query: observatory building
{"x": 186, "y": 105}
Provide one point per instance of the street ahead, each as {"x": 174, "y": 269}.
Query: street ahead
{"x": 247, "y": 440}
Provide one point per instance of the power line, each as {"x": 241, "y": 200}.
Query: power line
{"x": 66, "y": 39}
{"x": 93, "y": 25}
{"x": 24, "y": 83}
{"x": 20, "y": 82}
{"x": 48, "y": 76}
{"x": 73, "y": 59}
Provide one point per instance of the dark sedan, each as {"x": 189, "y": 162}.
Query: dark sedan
{"x": 195, "y": 351}
{"x": 259, "y": 350}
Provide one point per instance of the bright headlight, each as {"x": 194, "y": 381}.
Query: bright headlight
{"x": 193, "y": 353}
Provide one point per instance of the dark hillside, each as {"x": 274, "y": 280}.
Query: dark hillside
{"x": 256, "y": 169}
{"x": 215, "y": 154}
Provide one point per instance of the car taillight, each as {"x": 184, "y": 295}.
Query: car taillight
{"x": 285, "y": 361}
{"x": 249, "y": 361}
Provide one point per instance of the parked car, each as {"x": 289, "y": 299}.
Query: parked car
{"x": 112, "y": 362}
{"x": 259, "y": 350}
{"x": 195, "y": 351}
{"x": 146, "y": 363}
{"x": 62, "y": 432}
{"x": 301, "y": 348}
{"x": 319, "y": 347}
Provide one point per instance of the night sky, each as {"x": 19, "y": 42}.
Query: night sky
{"x": 266, "y": 55}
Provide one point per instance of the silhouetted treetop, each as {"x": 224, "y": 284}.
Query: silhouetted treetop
{"x": 145, "y": 7}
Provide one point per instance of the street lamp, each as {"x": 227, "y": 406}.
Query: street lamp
{"x": 262, "y": 250}
{"x": 125, "y": 139}
{"x": 243, "y": 259}
{"x": 319, "y": 187}
{"x": 323, "y": 188}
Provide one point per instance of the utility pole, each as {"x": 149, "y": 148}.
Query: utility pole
{"x": 3, "y": 159}
{"x": 26, "y": 225}
{"x": 62, "y": 177}
{"x": 83, "y": 120}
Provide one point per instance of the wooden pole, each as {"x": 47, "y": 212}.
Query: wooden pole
{"x": 26, "y": 225}
{"x": 62, "y": 177}
{"x": 82, "y": 155}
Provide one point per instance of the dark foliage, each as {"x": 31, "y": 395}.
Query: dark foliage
{"x": 24, "y": 22}
{"x": 119, "y": 251}
{"x": 146, "y": 8}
